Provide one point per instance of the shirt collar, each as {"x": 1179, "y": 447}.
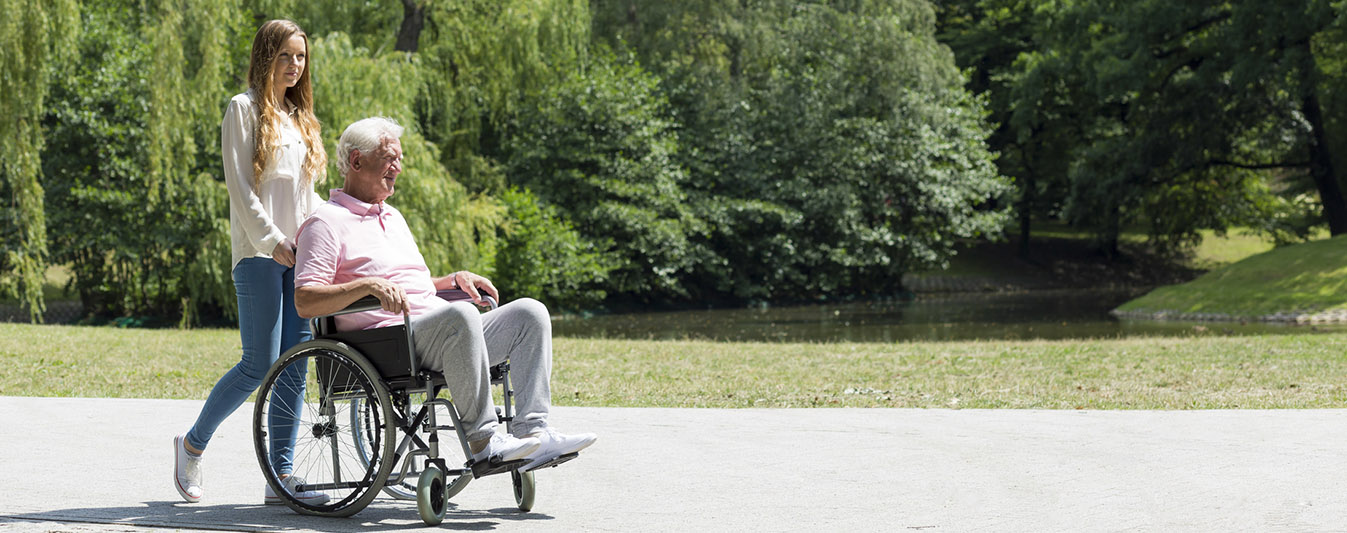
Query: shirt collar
{"x": 290, "y": 107}
{"x": 356, "y": 206}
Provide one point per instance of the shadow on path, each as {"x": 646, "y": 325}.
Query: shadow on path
{"x": 381, "y": 515}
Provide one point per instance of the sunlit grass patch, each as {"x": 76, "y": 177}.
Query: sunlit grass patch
{"x": 1207, "y": 372}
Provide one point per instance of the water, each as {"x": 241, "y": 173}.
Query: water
{"x": 1076, "y": 314}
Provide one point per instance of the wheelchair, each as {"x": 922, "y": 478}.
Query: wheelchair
{"x": 369, "y": 422}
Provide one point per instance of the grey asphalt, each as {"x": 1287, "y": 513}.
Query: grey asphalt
{"x": 75, "y": 465}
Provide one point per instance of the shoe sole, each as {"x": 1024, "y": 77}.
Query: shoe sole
{"x": 534, "y": 464}
{"x": 177, "y": 443}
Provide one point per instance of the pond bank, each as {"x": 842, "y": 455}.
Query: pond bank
{"x": 1296, "y": 284}
{"x": 1336, "y": 316}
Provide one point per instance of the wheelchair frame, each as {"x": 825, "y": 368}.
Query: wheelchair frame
{"x": 345, "y": 430}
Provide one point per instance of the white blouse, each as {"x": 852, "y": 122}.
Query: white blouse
{"x": 262, "y": 217}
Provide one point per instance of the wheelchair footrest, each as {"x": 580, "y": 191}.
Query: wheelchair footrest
{"x": 487, "y": 468}
{"x": 555, "y": 461}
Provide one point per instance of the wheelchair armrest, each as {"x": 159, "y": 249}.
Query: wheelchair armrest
{"x": 367, "y": 303}
{"x": 454, "y": 295}
{"x": 370, "y": 303}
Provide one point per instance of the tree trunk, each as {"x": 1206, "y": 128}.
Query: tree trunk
{"x": 1321, "y": 167}
{"x": 1028, "y": 191}
{"x": 1321, "y": 161}
{"x": 413, "y": 19}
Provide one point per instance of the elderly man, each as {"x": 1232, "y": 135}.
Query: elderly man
{"x": 356, "y": 245}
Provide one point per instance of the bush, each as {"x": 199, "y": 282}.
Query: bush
{"x": 543, "y": 257}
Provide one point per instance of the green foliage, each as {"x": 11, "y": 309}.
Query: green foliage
{"x": 831, "y": 147}
{"x": 1174, "y": 116}
{"x": 35, "y": 41}
{"x": 486, "y": 56}
{"x": 371, "y": 25}
{"x": 600, "y": 147}
{"x": 771, "y": 150}
{"x": 541, "y": 256}
{"x": 139, "y": 241}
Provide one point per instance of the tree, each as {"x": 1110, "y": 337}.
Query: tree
{"x": 34, "y": 41}
{"x": 600, "y": 148}
{"x": 988, "y": 37}
{"x": 831, "y": 147}
{"x": 483, "y": 58}
{"x": 135, "y": 125}
{"x": 1169, "y": 116}
{"x": 413, "y": 20}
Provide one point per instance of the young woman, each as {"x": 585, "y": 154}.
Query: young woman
{"x": 272, "y": 156}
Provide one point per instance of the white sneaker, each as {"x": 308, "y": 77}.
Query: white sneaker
{"x": 308, "y": 497}
{"x": 504, "y": 448}
{"x": 186, "y": 471}
{"x": 554, "y": 445}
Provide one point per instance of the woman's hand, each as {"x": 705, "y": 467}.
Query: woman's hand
{"x": 391, "y": 296}
{"x": 283, "y": 254}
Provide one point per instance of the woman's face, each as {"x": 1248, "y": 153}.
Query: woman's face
{"x": 290, "y": 62}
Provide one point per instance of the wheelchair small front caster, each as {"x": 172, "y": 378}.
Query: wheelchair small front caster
{"x": 524, "y": 489}
{"x": 431, "y": 501}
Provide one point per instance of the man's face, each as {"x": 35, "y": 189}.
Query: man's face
{"x": 373, "y": 174}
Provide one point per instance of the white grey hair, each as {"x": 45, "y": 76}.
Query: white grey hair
{"x": 364, "y": 135}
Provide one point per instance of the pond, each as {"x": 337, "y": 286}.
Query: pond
{"x": 1051, "y": 314}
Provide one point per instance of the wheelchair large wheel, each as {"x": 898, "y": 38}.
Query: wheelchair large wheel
{"x": 307, "y": 410}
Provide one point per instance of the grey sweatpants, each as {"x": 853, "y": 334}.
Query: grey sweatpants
{"x": 463, "y": 343}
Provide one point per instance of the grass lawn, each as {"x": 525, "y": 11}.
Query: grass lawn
{"x": 1276, "y": 371}
{"x": 1216, "y": 251}
{"x": 1308, "y": 277}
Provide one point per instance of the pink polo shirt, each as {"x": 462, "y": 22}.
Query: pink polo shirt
{"x": 347, "y": 239}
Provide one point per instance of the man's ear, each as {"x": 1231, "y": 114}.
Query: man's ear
{"x": 354, "y": 159}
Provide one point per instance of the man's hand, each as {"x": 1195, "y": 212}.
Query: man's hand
{"x": 474, "y": 285}
{"x": 391, "y": 296}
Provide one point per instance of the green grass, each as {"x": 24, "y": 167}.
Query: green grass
{"x": 1277, "y": 371}
{"x": 1308, "y": 277}
{"x": 1060, "y": 230}
{"x": 1216, "y": 251}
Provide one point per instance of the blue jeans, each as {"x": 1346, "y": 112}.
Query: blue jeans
{"x": 268, "y": 325}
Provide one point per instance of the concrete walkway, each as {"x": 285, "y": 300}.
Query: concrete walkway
{"x": 104, "y": 465}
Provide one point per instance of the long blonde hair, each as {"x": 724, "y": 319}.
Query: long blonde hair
{"x": 266, "y": 45}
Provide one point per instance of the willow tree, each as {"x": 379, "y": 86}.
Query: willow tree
{"x": 481, "y": 58}
{"x": 135, "y": 199}
{"x": 34, "y": 39}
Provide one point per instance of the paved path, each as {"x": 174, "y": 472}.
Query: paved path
{"x": 76, "y": 465}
